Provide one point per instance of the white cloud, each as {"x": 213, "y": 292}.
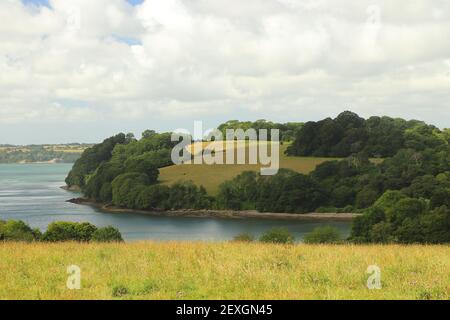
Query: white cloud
{"x": 107, "y": 60}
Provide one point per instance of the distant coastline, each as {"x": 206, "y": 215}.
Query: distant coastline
{"x": 53, "y": 161}
{"x": 224, "y": 214}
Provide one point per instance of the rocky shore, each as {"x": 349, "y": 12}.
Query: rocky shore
{"x": 228, "y": 214}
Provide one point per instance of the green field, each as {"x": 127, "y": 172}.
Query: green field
{"x": 174, "y": 270}
{"x": 211, "y": 176}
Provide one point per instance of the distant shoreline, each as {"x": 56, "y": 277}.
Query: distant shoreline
{"x": 225, "y": 214}
{"x": 38, "y": 162}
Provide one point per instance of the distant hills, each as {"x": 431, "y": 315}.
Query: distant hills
{"x": 51, "y": 153}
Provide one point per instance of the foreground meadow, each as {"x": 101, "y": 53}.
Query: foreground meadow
{"x": 175, "y": 270}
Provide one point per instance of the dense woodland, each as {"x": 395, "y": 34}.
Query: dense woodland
{"x": 350, "y": 134}
{"x": 405, "y": 198}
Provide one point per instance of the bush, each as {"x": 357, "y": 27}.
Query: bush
{"x": 18, "y": 231}
{"x": 277, "y": 235}
{"x": 325, "y": 234}
{"x": 69, "y": 231}
{"x": 57, "y": 232}
{"x": 107, "y": 234}
{"x": 244, "y": 237}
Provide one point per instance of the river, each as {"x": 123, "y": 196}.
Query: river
{"x": 32, "y": 193}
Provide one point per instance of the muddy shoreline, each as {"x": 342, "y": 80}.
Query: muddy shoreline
{"x": 226, "y": 214}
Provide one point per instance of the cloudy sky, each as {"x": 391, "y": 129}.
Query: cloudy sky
{"x": 82, "y": 70}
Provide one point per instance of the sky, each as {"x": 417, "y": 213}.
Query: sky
{"x": 83, "y": 70}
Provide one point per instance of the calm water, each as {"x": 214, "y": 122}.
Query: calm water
{"x": 32, "y": 193}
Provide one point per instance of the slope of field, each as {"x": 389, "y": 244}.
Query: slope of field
{"x": 172, "y": 270}
{"x": 211, "y": 176}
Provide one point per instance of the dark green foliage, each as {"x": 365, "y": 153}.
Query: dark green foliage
{"x": 99, "y": 186}
{"x": 287, "y": 191}
{"x": 359, "y": 183}
{"x": 153, "y": 197}
{"x": 398, "y": 218}
{"x": 69, "y": 231}
{"x": 440, "y": 198}
{"x": 147, "y": 163}
{"x": 58, "y": 232}
{"x": 186, "y": 195}
{"x": 376, "y": 137}
{"x": 131, "y": 156}
{"x": 287, "y": 130}
{"x": 435, "y": 225}
{"x": 106, "y": 234}
{"x": 382, "y": 232}
{"x": 322, "y": 235}
{"x": 18, "y": 231}
{"x": 277, "y": 235}
{"x": 127, "y": 187}
{"x": 241, "y": 193}
{"x": 91, "y": 159}
{"x": 353, "y": 182}
{"x": 182, "y": 195}
{"x": 366, "y": 197}
{"x": 363, "y": 224}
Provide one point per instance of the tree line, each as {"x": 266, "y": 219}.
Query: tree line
{"x": 349, "y": 134}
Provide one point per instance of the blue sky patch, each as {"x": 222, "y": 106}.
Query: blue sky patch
{"x": 47, "y": 4}
{"x": 36, "y": 3}
{"x": 127, "y": 40}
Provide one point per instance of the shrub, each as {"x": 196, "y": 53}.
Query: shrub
{"x": 277, "y": 235}
{"x": 325, "y": 234}
{"x": 85, "y": 231}
{"x": 69, "y": 231}
{"x": 18, "y": 231}
{"x": 107, "y": 234}
{"x": 244, "y": 237}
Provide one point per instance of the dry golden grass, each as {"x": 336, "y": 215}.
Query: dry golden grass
{"x": 175, "y": 270}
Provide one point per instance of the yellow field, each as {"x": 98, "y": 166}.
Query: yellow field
{"x": 174, "y": 270}
{"x": 211, "y": 176}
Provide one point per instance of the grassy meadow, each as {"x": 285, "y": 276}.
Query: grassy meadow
{"x": 211, "y": 176}
{"x": 175, "y": 270}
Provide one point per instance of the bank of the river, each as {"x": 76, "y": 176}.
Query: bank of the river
{"x": 226, "y": 214}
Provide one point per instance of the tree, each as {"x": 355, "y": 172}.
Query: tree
{"x": 91, "y": 159}
{"x": 148, "y": 134}
{"x": 382, "y": 232}
{"x": 127, "y": 187}
{"x": 69, "y": 231}
{"x": 18, "y": 231}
